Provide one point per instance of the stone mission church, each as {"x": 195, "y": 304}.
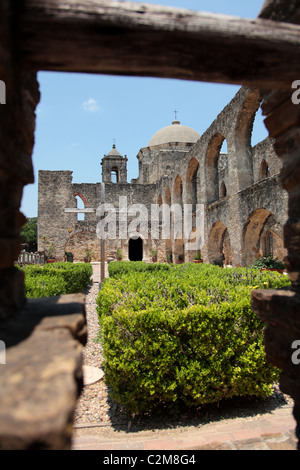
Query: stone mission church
{"x": 243, "y": 204}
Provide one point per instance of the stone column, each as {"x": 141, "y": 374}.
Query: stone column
{"x": 280, "y": 309}
{"x": 17, "y": 123}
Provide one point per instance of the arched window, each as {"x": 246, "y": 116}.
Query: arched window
{"x": 178, "y": 191}
{"x": 223, "y": 190}
{"x": 268, "y": 244}
{"x": 114, "y": 175}
{"x": 80, "y": 205}
{"x": 212, "y": 166}
{"x": 192, "y": 183}
{"x": 264, "y": 171}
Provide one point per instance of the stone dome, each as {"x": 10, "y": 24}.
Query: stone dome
{"x": 174, "y": 133}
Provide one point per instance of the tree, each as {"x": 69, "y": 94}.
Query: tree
{"x": 29, "y": 233}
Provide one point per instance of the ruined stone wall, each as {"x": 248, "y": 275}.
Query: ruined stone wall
{"x": 230, "y": 186}
{"x": 57, "y": 192}
{"x": 160, "y": 160}
{"x": 54, "y": 225}
{"x": 264, "y": 152}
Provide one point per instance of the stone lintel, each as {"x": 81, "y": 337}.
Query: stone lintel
{"x": 42, "y": 378}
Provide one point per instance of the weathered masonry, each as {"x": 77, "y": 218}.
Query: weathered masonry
{"x": 122, "y": 38}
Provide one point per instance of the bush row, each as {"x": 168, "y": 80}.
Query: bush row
{"x": 186, "y": 333}
{"x": 56, "y": 279}
{"x": 116, "y": 269}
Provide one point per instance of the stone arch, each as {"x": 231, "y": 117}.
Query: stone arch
{"x": 264, "y": 170}
{"x": 178, "y": 250}
{"x": 169, "y": 251}
{"x": 192, "y": 183}
{"x": 114, "y": 174}
{"x": 177, "y": 190}
{"x": 78, "y": 242}
{"x": 193, "y": 244}
{"x": 81, "y": 204}
{"x": 168, "y": 196}
{"x": 211, "y": 167}
{"x": 260, "y": 224}
{"x": 168, "y": 241}
{"x": 82, "y": 197}
{"x": 219, "y": 242}
{"x": 243, "y": 133}
{"x": 177, "y": 209}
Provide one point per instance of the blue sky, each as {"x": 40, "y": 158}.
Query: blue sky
{"x": 79, "y": 115}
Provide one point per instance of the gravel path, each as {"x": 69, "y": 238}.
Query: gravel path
{"x": 94, "y": 404}
{"x": 96, "y": 407}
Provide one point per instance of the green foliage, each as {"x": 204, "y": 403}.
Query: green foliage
{"x": 29, "y": 233}
{"x": 183, "y": 333}
{"x": 56, "y": 279}
{"x": 268, "y": 262}
{"x": 198, "y": 256}
{"x": 118, "y": 268}
{"x": 89, "y": 254}
{"x": 119, "y": 254}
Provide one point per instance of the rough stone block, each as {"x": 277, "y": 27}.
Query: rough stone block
{"x": 42, "y": 377}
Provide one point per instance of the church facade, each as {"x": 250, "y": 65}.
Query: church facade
{"x": 188, "y": 197}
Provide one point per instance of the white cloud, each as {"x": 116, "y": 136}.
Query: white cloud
{"x": 91, "y": 105}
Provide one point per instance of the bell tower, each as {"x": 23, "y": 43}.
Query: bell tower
{"x": 114, "y": 167}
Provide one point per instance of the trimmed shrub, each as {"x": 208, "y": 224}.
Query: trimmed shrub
{"x": 186, "y": 334}
{"x": 117, "y": 268}
{"x": 56, "y": 279}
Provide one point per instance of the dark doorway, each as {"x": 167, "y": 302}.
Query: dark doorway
{"x": 135, "y": 249}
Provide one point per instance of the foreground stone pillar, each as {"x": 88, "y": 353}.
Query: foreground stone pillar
{"x": 17, "y": 124}
{"x": 281, "y": 309}
{"x": 41, "y": 378}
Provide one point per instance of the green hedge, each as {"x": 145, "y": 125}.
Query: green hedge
{"x": 184, "y": 334}
{"x": 56, "y": 279}
{"x": 118, "y": 268}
